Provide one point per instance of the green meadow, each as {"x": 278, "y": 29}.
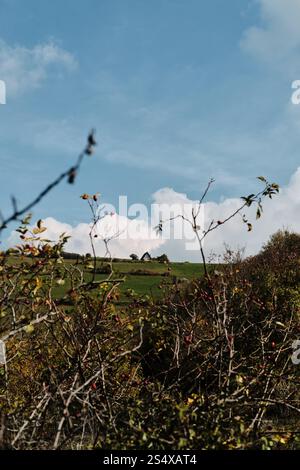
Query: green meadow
{"x": 142, "y": 277}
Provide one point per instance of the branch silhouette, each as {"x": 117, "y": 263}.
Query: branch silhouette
{"x": 70, "y": 174}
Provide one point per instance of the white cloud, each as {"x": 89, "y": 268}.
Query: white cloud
{"x": 138, "y": 236}
{"x": 135, "y": 236}
{"x": 281, "y": 212}
{"x": 25, "y": 68}
{"x": 279, "y": 38}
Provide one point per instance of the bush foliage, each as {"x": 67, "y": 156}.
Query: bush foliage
{"x": 208, "y": 366}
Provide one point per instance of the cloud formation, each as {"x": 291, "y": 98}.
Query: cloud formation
{"x": 278, "y": 39}
{"x": 282, "y": 212}
{"x": 25, "y": 68}
{"x": 126, "y": 236}
{"x": 138, "y": 235}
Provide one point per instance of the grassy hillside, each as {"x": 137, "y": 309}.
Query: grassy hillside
{"x": 143, "y": 277}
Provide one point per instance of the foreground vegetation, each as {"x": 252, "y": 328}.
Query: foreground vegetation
{"x": 206, "y": 365}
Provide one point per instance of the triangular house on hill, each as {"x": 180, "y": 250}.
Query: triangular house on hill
{"x": 146, "y": 257}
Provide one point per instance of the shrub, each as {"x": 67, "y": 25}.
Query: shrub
{"x": 206, "y": 367}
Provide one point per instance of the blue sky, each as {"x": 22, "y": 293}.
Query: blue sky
{"x": 178, "y": 90}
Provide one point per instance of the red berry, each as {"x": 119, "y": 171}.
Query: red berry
{"x": 188, "y": 339}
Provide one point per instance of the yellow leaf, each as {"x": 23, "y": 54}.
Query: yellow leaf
{"x": 39, "y": 230}
{"x": 29, "y": 329}
{"x": 38, "y": 285}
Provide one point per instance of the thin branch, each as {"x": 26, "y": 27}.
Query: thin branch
{"x": 71, "y": 174}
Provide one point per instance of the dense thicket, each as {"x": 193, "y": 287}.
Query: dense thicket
{"x": 208, "y": 366}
